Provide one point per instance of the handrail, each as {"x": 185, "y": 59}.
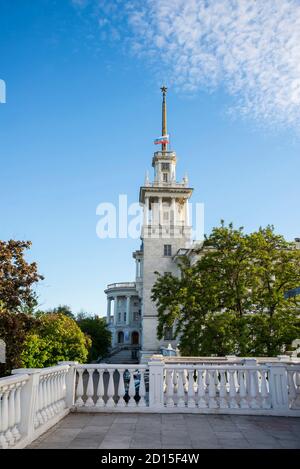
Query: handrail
{"x": 33, "y": 400}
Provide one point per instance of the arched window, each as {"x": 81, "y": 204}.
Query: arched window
{"x": 120, "y": 337}
{"x": 135, "y": 338}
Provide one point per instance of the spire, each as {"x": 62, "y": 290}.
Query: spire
{"x": 164, "y": 116}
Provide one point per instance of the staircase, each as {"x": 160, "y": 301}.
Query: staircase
{"x": 122, "y": 355}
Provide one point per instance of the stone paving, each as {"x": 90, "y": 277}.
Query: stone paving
{"x": 124, "y": 431}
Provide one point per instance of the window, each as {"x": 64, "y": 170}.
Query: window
{"x": 167, "y": 250}
{"x": 165, "y": 177}
{"x": 165, "y": 166}
{"x": 125, "y": 315}
{"x": 168, "y": 333}
{"x": 119, "y": 317}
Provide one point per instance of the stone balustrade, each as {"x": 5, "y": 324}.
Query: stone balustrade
{"x": 10, "y": 409}
{"x": 293, "y": 378}
{"x": 217, "y": 387}
{"x": 51, "y": 394}
{"x": 121, "y": 285}
{"x": 33, "y": 400}
{"x": 111, "y": 387}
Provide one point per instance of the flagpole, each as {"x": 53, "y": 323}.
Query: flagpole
{"x": 164, "y": 116}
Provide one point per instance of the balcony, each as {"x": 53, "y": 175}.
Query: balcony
{"x": 121, "y": 285}
{"x": 34, "y": 400}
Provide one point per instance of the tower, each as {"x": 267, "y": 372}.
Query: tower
{"x": 165, "y": 230}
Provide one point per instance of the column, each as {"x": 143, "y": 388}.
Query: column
{"x": 115, "y": 309}
{"x": 156, "y": 382}
{"x": 136, "y": 268}
{"x": 187, "y": 221}
{"x": 108, "y": 310}
{"x": 146, "y": 211}
{"x": 127, "y": 310}
{"x": 173, "y": 210}
{"x": 160, "y": 214}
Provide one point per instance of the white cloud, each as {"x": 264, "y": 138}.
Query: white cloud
{"x": 249, "y": 47}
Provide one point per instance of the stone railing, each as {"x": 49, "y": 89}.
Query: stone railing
{"x": 121, "y": 285}
{"x": 111, "y": 387}
{"x": 160, "y": 386}
{"x": 10, "y": 409}
{"x": 33, "y": 400}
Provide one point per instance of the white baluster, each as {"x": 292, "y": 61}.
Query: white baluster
{"x": 39, "y": 419}
{"x": 11, "y": 415}
{"x": 201, "y": 391}
{"x": 169, "y": 388}
{"x": 223, "y": 391}
{"x": 185, "y": 380}
{"x": 43, "y": 384}
{"x": 59, "y": 390}
{"x": 175, "y": 381}
{"x": 48, "y": 394}
{"x": 63, "y": 392}
{"x": 90, "y": 388}
{"x": 180, "y": 390}
{"x": 3, "y": 418}
{"x": 191, "y": 390}
{"x": 291, "y": 388}
{"x": 131, "y": 391}
{"x": 50, "y": 391}
{"x": 253, "y": 389}
{"x": 142, "y": 390}
{"x": 110, "y": 390}
{"x": 232, "y": 391}
{"x": 79, "y": 390}
{"x": 243, "y": 391}
{"x": 297, "y": 383}
{"x": 15, "y": 430}
{"x": 55, "y": 406}
{"x": 217, "y": 379}
{"x": 264, "y": 390}
{"x": 121, "y": 389}
{"x": 212, "y": 403}
{"x": 297, "y": 380}
{"x": 100, "y": 390}
{"x": 206, "y": 379}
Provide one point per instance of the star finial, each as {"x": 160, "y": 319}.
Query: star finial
{"x": 164, "y": 89}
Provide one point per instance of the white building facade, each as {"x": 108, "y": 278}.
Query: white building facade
{"x": 166, "y": 229}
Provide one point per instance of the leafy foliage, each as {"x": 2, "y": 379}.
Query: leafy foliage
{"x": 17, "y": 277}
{"x": 95, "y": 328}
{"x": 231, "y": 301}
{"x": 14, "y": 328}
{"x": 58, "y": 339}
{"x": 37, "y": 342}
{"x": 63, "y": 309}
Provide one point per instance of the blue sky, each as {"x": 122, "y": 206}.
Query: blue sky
{"x": 83, "y": 107}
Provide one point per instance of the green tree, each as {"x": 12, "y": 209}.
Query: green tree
{"x": 35, "y": 352}
{"x": 95, "y": 328}
{"x": 17, "y": 277}
{"x": 37, "y": 342}
{"x": 14, "y": 328}
{"x": 62, "y": 338}
{"x": 232, "y": 299}
{"x": 63, "y": 309}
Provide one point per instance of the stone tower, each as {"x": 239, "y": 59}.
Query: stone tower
{"x": 165, "y": 230}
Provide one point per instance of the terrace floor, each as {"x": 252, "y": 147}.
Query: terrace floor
{"x": 124, "y": 431}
